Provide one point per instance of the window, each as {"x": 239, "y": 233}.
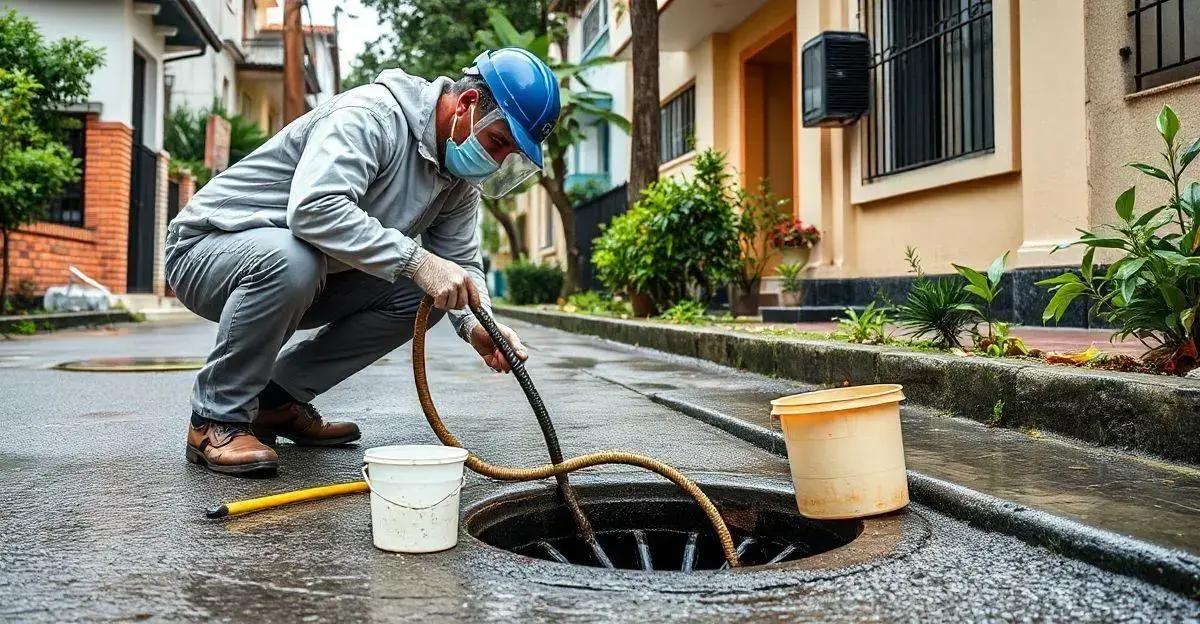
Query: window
{"x": 593, "y": 24}
{"x": 68, "y": 209}
{"x": 1166, "y": 41}
{"x": 931, "y": 81}
{"x": 678, "y": 119}
{"x": 547, "y": 225}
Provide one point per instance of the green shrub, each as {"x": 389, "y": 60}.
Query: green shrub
{"x": 939, "y": 309}
{"x": 1152, "y": 291}
{"x": 680, "y": 237}
{"x": 870, "y": 327}
{"x": 685, "y": 312}
{"x": 592, "y": 302}
{"x": 791, "y": 278}
{"x": 533, "y": 283}
{"x": 23, "y": 327}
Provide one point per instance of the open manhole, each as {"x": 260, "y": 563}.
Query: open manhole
{"x": 133, "y": 364}
{"x": 653, "y": 526}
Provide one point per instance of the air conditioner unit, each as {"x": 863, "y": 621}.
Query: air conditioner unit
{"x": 836, "y": 84}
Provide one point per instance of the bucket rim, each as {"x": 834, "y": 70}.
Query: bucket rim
{"x": 415, "y": 455}
{"x": 834, "y": 399}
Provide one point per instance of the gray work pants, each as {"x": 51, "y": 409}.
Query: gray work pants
{"x": 261, "y": 285}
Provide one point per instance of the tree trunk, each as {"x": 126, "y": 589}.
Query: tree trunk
{"x": 4, "y": 279}
{"x": 566, "y": 214}
{"x": 516, "y": 242}
{"x": 643, "y": 168}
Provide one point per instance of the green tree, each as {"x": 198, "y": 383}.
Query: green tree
{"x": 34, "y": 167}
{"x": 428, "y": 37}
{"x": 580, "y": 104}
{"x": 60, "y": 68}
{"x": 184, "y": 135}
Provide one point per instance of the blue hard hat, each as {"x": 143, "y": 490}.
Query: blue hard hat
{"x": 527, "y": 93}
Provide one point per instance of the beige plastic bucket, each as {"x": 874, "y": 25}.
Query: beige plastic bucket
{"x": 845, "y": 450}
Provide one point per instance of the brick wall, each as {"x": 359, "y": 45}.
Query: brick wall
{"x": 162, "y": 181}
{"x": 43, "y": 251}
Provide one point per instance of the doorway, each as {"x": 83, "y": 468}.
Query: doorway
{"x": 143, "y": 183}
{"x": 768, "y": 114}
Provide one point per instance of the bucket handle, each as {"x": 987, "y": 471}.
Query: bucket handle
{"x": 461, "y": 482}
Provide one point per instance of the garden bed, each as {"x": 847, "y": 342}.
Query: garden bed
{"x": 1153, "y": 413}
{"x": 31, "y": 323}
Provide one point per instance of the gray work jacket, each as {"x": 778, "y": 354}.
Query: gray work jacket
{"x": 358, "y": 178}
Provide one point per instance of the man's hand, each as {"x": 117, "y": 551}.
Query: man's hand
{"x": 490, "y": 353}
{"x": 443, "y": 280}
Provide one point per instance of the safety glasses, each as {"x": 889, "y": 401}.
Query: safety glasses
{"x": 516, "y": 169}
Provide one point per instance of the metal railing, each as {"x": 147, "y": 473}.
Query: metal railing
{"x": 931, "y": 78}
{"x": 1166, "y": 41}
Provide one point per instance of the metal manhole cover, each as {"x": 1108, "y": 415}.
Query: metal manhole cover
{"x": 655, "y": 528}
{"x": 132, "y": 364}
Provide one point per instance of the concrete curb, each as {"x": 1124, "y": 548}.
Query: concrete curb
{"x": 1151, "y": 413}
{"x": 62, "y": 320}
{"x": 1173, "y": 569}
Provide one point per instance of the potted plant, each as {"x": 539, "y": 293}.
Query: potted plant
{"x": 758, "y": 213}
{"x": 795, "y": 239}
{"x": 790, "y": 284}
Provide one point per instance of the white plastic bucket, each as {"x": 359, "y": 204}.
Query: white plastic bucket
{"x": 414, "y": 496}
{"x": 845, "y": 450}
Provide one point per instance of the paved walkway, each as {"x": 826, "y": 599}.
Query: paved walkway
{"x": 1132, "y": 495}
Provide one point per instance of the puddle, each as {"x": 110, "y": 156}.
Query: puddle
{"x": 132, "y": 364}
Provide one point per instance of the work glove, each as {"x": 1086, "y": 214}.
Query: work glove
{"x": 491, "y": 354}
{"x": 443, "y": 280}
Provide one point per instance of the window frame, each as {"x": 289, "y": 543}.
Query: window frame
{"x": 79, "y": 151}
{"x": 1140, "y": 10}
{"x": 684, "y": 102}
{"x": 588, "y": 45}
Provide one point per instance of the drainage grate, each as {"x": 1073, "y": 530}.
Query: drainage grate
{"x": 647, "y": 527}
{"x": 132, "y": 364}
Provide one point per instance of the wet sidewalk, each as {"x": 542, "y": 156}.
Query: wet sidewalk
{"x": 1133, "y": 495}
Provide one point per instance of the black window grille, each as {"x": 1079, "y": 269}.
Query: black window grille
{"x": 68, "y": 208}
{"x": 1166, "y": 41}
{"x": 593, "y": 23}
{"x": 678, "y": 125}
{"x": 932, "y": 94}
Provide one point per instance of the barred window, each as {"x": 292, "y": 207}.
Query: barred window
{"x": 932, "y": 83}
{"x": 1166, "y": 41}
{"x": 678, "y": 121}
{"x": 68, "y": 208}
{"x": 592, "y": 23}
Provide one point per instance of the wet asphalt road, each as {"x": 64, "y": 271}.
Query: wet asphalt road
{"x": 102, "y": 519}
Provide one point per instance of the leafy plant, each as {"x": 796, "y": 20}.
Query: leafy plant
{"x": 680, "y": 238}
{"x": 999, "y": 342}
{"x": 533, "y": 283}
{"x": 790, "y": 276}
{"x": 184, "y": 135}
{"x": 997, "y": 417}
{"x": 984, "y": 286}
{"x": 1152, "y": 291}
{"x": 592, "y": 302}
{"x": 757, "y": 212}
{"x": 23, "y": 327}
{"x": 795, "y": 233}
{"x": 685, "y": 312}
{"x": 937, "y": 308}
{"x": 869, "y": 327}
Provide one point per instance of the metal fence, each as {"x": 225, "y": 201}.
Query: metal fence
{"x": 142, "y": 189}
{"x": 589, "y": 217}
{"x": 931, "y": 80}
{"x": 1166, "y": 41}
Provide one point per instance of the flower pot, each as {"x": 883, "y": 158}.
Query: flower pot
{"x": 641, "y": 303}
{"x": 790, "y": 299}
{"x": 796, "y": 255}
{"x": 744, "y": 302}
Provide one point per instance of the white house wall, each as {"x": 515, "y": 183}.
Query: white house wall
{"x": 111, "y": 25}
{"x": 198, "y": 81}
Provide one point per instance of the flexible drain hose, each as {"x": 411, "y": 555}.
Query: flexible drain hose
{"x": 505, "y": 473}
{"x": 559, "y": 469}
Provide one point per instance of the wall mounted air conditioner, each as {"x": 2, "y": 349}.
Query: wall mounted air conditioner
{"x": 835, "y": 79}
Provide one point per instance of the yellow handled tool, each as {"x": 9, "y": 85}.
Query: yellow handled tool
{"x": 287, "y": 498}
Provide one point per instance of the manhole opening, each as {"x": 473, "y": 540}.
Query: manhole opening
{"x": 650, "y": 527}
{"x": 133, "y": 364}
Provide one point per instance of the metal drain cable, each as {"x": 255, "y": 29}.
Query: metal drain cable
{"x": 506, "y": 473}
{"x": 499, "y": 473}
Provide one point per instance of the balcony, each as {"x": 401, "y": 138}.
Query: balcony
{"x": 684, "y": 23}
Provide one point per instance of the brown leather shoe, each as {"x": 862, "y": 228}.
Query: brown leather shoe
{"x": 301, "y": 423}
{"x": 230, "y": 449}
